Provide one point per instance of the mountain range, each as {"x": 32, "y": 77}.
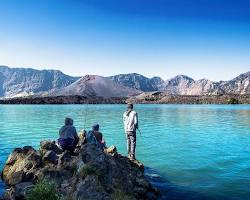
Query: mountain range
{"x": 17, "y": 82}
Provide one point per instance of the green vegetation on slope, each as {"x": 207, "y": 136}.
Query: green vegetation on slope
{"x": 44, "y": 190}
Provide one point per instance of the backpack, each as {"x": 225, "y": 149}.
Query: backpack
{"x": 92, "y": 140}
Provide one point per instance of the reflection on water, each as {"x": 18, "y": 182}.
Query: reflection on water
{"x": 192, "y": 151}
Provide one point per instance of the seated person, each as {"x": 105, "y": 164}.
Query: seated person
{"x": 95, "y": 137}
{"x": 68, "y": 137}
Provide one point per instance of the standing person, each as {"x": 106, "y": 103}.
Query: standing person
{"x": 130, "y": 119}
{"x": 68, "y": 137}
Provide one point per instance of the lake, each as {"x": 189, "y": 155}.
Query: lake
{"x": 191, "y": 151}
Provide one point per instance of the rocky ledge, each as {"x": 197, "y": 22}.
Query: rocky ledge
{"x": 89, "y": 174}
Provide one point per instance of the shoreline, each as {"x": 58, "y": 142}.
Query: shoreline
{"x": 144, "y": 98}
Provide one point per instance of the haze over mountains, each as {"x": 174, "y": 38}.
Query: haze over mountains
{"x": 26, "y": 81}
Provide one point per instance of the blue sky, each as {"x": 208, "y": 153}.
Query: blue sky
{"x": 199, "y": 38}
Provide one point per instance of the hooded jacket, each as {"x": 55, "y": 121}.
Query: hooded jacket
{"x": 130, "y": 120}
{"x": 68, "y": 132}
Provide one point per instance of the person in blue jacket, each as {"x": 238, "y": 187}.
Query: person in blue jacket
{"x": 95, "y": 137}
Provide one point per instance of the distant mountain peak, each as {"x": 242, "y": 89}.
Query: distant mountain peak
{"x": 134, "y": 80}
{"x": 28, "y": 81}
{"x": 181, "y": 76}
{"x": 19, "y": 81}
{"x": 94, "y": 85}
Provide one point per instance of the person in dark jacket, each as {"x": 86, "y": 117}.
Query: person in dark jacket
{"x": 68, "y": 137}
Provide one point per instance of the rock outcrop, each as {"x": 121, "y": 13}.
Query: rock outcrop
{"x": 88, "y": 174}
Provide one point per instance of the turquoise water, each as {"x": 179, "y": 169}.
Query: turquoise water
{"x": 199, "y": 151}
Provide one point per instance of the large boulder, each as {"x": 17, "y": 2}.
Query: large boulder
{"x": 21, "y": 166}
{"x": 48, "y": 145}
{"x": 50, "y": 156}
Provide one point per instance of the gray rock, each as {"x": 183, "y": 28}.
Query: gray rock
{"x": 142, "y": 182}
{"x": 48, "y": 145}
{"x": 68, "y": 162}
{"x": 50, "y": 156}
{"x": 21, "y": 189}
{"x": 90, "y": 189}
{"x": 20, "y": 166}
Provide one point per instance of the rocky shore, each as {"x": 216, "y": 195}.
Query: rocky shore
{"x": 89, "y": 174}
{"x": 63, "y": 100}
{"x": 143, "y": 98}
{"x": 164, "y": 98}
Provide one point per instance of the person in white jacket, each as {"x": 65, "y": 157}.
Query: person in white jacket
{"x": 130, "y": 120}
